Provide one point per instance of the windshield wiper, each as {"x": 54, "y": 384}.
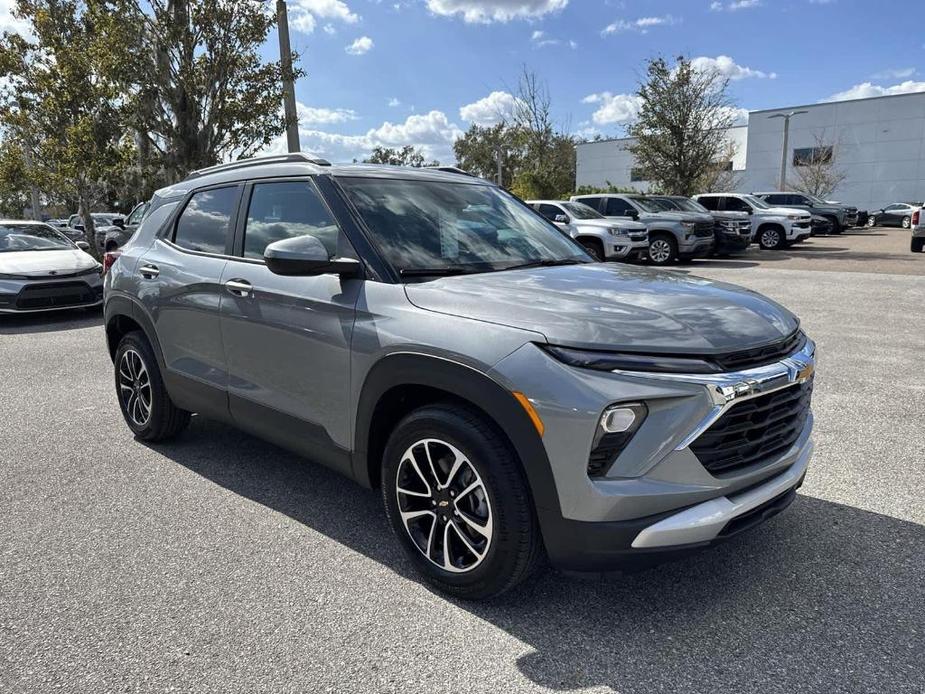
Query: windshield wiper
{"x": 546, "y": 263}
{"x": 432, "y": 271}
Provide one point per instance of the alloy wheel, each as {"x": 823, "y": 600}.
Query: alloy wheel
{"x": 659, "y": 251}
{"x": 907, "y": 222}
{"x": 871, "y": 221}
{"x": 444, "y": 505}
{"x": 770, "y": 238}
{"x": 135, "y": 387}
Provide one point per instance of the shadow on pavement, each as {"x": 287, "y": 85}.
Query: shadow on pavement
{"x": 825, "y": 597}
{"x": 52, "y": 321}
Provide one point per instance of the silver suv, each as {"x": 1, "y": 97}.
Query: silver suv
{"x": 428, "y": 334}
{"x": 602, "y": 238}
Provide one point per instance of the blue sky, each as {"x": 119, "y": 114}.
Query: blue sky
{"x": 395, "y": 72}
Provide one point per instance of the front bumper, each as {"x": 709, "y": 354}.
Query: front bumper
{"x": 799, "y": 231}
{"x": 730, "y": 242}
{"x": 45, "y": 294}
{"x": 657, "y": 496}
{"x": 698, "y": 247}
{"x": 625, "y": 247}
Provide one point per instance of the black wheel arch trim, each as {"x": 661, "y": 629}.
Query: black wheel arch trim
{"x": 121, "y": 305}
{"x": 474, "y": 386}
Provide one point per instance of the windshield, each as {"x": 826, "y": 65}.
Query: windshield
{"x": 649, "y": 204}
{"x": 32, "y": 237}
{"x": 815, "y": 200}
{"x": 756, "y": 202}
{"x": 581, "y": 211}
{"x": 687, "y": 204}
{"x": 429, "y": 227}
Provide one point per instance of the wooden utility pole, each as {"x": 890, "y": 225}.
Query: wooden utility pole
{"x": 285, "y": 55}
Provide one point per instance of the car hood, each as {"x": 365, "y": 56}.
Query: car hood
{"x": 603, "y": 306}
{"x": 675, "y": 217}
{"x": 782, "y": 212}
{"x": 63, "y": 262}
{"x": 627, "y": 224}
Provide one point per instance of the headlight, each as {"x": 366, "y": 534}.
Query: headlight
{"x": 793, "y": 216}
{"x": 617, "y": 231}
{"x": 688, "y": 225}
{"x": 626, "y": 361}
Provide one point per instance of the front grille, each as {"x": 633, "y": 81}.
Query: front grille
{"x": 756, "y": 430}
{"x": 641, "y": 236}
{"x": 759, "y": 356}
{"x": 703, "y": 229}
{"x": 56, "y": 295}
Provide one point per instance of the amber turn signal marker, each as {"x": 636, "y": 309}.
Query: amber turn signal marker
{"x": 531, "y": 413}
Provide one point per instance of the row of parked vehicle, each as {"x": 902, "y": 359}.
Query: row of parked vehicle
{"x": 111, "y": 228}
{"x": 669, "y": 228}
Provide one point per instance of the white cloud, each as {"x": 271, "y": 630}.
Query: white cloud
{"x": 394, "y": 102}
{"x": 642, "y": 24}
{"x": 541, "y": 39}
{"x": 727, "y": 67}
{"x": 866, "y": 90}
{"x": 894, "y": 74}
{"x": 490, "y": 110}
{"x": 304, "y": 14}
{"x": 360, "y": 46}
{"x": 432, "y": 132}
{"x": 739, "y": 115}
{"x": 484, "y": 11}
{"x": 734, "y": 5}
{"x": 614, "y": 108}
{"x": 311, "y": 115}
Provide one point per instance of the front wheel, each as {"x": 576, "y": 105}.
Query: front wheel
{"x": 771, "y": 238}
{"x": 594, "y": 248}
{"x": 146, "y": 406}
{"x": 663, "y": 250}
{"x": 457, "y": 500}
{"x": 871, "y": 222}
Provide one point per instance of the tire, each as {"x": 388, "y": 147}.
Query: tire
{"x": 134, "y": 366}
{"x": 663, "y": 249}
{"x": 906, "y": 223}
{"x": 498, "y": 559}
{"x": 771, "y": 238}
{"x": 871, "y": 222}
{"x": 594, "y": 247}
{"x": 836, "y": 227}
{"x": 918, "y": 244}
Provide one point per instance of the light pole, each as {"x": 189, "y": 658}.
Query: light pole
{"x": 285, "y": 56}
{"x": 782, "y": 184}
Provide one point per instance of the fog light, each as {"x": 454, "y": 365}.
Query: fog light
{"x": 616, "y": 420}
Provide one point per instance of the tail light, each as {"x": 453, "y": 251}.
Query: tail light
{"x": 915, "y": 218}
{"x": 109, "y": 258}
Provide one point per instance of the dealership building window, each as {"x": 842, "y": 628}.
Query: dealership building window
{"x": 806, "y": 156}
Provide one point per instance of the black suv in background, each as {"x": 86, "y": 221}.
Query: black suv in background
{"x": 841, "y": 216}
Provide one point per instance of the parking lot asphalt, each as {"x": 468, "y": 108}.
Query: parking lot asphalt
{"x": 222, "y": 563}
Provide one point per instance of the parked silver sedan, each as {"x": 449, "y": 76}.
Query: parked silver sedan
{"x": 42, "y": 270}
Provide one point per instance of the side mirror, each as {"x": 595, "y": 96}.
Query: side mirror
{"x": 561, "y": 219}
{"x": 83, "y": 245}
{"x": 306, "y": 256}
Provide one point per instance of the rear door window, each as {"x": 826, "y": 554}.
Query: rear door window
{"x": 617, "y": 207}
{"x": 205, "y": 224}
{"x": 710, "y": 202}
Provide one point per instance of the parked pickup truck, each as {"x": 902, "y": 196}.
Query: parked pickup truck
{"x": 917, "y": 223}
{"x": 672, "y": 235}
{"x": 772, "y": 227}
{"x": 841, "y": 216}
{"x": 732, "y": 231}
{"x": 605, "y": 239}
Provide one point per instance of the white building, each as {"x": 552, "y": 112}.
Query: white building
{"x": 878, "y": 143}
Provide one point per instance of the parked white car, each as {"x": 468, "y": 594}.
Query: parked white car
{"x": 603, "y": 238}
{"x": 772, "y": 227}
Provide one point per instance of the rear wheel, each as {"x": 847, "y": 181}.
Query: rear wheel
{"x": 771, "y": 238}
{"x": 663, "y": 249}
{"x": 146, "y": 406}
{"x": 594, "y": 247}
{"x": 907, "y": 222}
{"x": 918, "y": 244}
{"x": 457, "y": 500}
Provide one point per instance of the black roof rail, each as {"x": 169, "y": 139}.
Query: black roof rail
{"x": 450, "y": 169}
{"x": 303, "y": 157}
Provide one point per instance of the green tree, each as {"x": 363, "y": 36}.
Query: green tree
{"x": 198, "y": 91}
{"x": 406, "y": 156}
{"x": 62, "y": 103}
{"x": 680, "y": 134}
{"x": 477, "y": 152}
